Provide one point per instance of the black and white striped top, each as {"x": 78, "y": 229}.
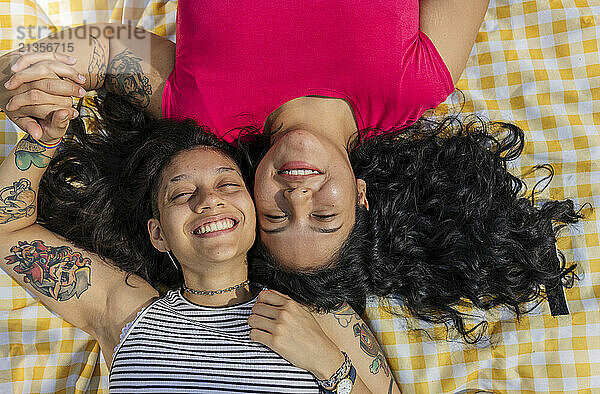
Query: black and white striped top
{"x": 174, "y": 346}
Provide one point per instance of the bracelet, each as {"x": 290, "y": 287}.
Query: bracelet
{"x": 48, "y": 146}
{"x": 344, "y": 386}
{"x": 338, "y": 375}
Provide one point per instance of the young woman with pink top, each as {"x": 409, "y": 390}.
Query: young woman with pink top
{"x": 352, "y": 196}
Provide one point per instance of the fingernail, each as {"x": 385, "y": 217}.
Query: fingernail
{"x": 14, "y": 67}
{"x": 81, "y": 78}
{"x": 8, "y": 105}
{"x": 81, "y": 92}
{"x": 75, "y": 113}
{"x": 7, "y": 84}
{"x": 71, "y": 59}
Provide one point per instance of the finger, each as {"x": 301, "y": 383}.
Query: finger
{"x": 23, "y": 76}
{"x": 30, "y": 126}
{"x": 272, "y": 298}
{"x": 57, "y": 87}
{"x": 44, "y": 70}
{"x": 29, "y": 58}
{"x": 265, "y": 310}
{"x": 36, "y": 97}
{"x": 262, "y": 323}
{"x": 39, "y": 111}
{"x": 261, "y": 336}
{"x": 59, "y": 121}
{"x": 280, "y": 294}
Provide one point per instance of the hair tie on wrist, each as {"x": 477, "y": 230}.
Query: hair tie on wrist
{"x": 48, "y": 146}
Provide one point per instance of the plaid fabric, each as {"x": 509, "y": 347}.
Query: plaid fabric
{"x": 536, "y": 63}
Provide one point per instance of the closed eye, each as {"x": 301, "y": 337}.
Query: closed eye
{"x": 179, "y": 195}
{"x": 276, "y": 217}
{"x": 324, "y": 218}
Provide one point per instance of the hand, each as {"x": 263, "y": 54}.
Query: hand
{"x": 290, "y": 330}
{"x": 55, "y": 125}
{"x": 43, "y": 83}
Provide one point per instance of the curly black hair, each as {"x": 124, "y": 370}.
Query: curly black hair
{"x": 101, "y": 187}
{"x": 448, "y": 226}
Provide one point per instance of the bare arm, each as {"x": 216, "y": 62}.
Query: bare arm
{"x": 314, "y": 342}
{"x": 452, "y": 26}
{"x": 76, "y": 284}
{"x": 352, "y": 335}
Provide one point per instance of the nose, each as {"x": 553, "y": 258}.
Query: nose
{"x": 207, "y": 201}
{"x": 299, "y": 199}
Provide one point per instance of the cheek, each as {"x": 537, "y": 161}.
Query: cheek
{"x": 170, "y": 223}
{"x": 335, "y": 193}
{"x": 265, "y": 191}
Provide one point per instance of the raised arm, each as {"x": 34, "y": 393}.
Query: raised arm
{"x": 452, "y": 26}
{"x": 76, "y": 284}
{"x": 123, "y": 59}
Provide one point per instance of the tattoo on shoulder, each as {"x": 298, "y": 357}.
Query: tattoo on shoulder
{"x": 56, "y": 272}
{"x": 345, "y": 314}
{"x": 28, "y": 152}
{"x": 97, "y": 66}
{"x": 126, "y": 77}
{"x": 370, "y": 346}
{"x": 17, "y": 201}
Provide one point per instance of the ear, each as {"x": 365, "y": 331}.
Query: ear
{"x": 361, "y": 186}
{"x": 156, "y": 236}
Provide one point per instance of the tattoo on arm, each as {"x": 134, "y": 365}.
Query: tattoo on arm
{"x": 370, "y": 346}
{"x": 97, "y": 66}
{"x": 28, "y": 152}
{"x": 17, "y": 201}
{"x": 344, "y": 315}
{"x": 56, "y": 272}
{"x": 126, "y": 77}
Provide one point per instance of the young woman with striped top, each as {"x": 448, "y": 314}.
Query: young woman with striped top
{"x": 176, "y": 198}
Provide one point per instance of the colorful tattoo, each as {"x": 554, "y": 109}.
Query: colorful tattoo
{"x": 371, "y": 347}
{"x": 97, "y": 66}
{"x": 17, "y": 201}
{"x": 56, "y": 272}
{"x": 126, "y": 77}
{"x": 345, "y": 314}
{"x": 28, "y": 152}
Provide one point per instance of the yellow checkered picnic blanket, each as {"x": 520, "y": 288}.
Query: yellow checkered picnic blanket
{"x": 536, "y": 63}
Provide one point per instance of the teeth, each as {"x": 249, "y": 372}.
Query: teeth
{"x": 299, "y": 172}
{"x": 223, "y": 224}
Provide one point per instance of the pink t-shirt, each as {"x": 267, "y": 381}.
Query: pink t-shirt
{"x": 237, "y": 61}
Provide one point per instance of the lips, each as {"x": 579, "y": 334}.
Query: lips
{"x": 298, "y": 170}
{"x": 298, "y": 165}
{"x": 215, "y": 225}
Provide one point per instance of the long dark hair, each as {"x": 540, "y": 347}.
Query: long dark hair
{"x": 448, "y": 226}
{"x": 100, "y": 189}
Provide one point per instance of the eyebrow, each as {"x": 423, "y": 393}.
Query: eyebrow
{"x": 316, "y": 229}
{"x": 219, "y": 170}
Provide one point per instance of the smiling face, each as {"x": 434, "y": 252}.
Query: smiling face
{"x": 306, "y": 195}
{"x": 206, "y": 212}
